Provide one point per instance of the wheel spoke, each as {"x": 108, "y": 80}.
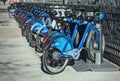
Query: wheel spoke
{"x": 60, "y": 62}
{"x": 53, "y": 63}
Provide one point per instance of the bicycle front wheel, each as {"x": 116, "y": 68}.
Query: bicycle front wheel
{"x": 93, "y": 46}
{"x": 52, "y": 62}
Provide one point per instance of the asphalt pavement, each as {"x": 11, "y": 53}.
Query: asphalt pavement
{"x": 20, "y": 62}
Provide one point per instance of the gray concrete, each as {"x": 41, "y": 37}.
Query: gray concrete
{"x": 19, "y": 62}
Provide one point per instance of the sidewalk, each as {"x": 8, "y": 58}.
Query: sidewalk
{"x": 3, "y": 8}
{"x": 8, "y": 26}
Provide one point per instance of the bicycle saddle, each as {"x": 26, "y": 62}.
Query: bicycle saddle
{"x": 68, "y": 14}
{"x": 53, "y": 13}
{"x": 89, "y": 18}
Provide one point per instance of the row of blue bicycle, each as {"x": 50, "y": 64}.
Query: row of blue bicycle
{"x": 61, "y": 32}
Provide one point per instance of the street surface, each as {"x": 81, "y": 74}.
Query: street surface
{"x": 20, "y": 62}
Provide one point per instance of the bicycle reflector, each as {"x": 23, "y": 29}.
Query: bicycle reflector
{"x": 63, "y": 26}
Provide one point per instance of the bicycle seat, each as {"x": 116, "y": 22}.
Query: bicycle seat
{"x": 89, "y": 18}
{"x": 52, "y": 13}
{"x": 68, "y": 14}
{"x": 45, "y": 10}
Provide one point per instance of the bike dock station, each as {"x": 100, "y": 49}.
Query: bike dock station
{"x": 32, "y": 16}
{"x": 112, "y": 50}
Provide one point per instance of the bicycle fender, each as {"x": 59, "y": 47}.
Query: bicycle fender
{"x": 60, "y": 43}
{"x": 50, "y": 35}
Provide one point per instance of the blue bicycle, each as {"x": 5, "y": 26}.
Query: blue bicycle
{"x": 38, "y": 32}
{"x": 59, "y": 48}
{"x": 38, "y": 26}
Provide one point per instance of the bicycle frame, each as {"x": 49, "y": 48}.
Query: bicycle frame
{"x": 65, "y": 44}
{"x": 75, "y": 53}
